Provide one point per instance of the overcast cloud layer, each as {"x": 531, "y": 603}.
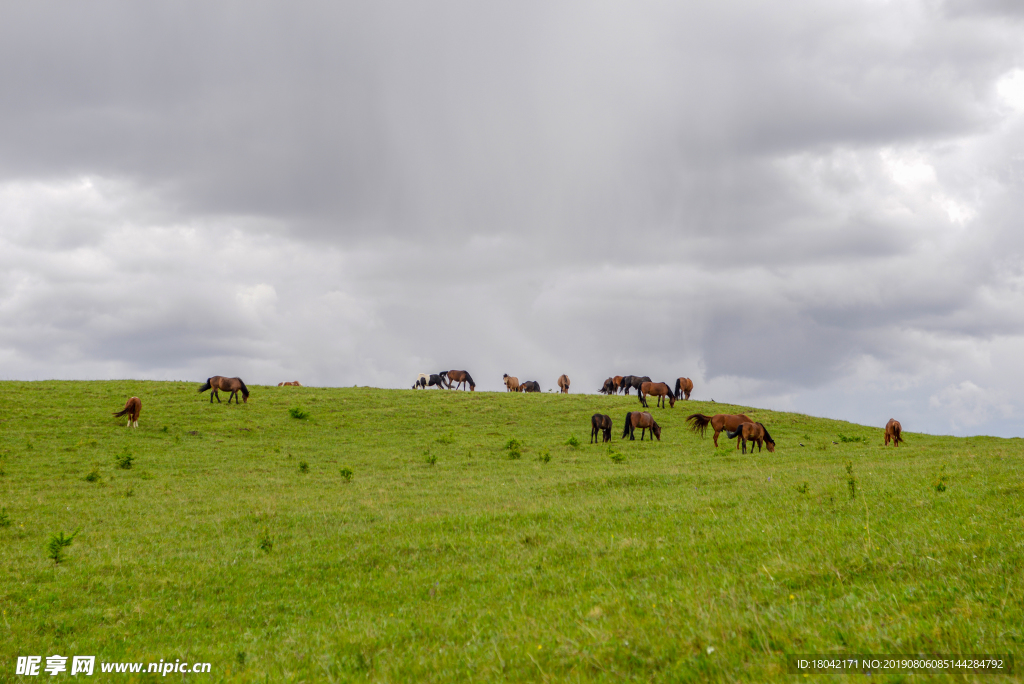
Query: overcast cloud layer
{"x": 813, "y": 206}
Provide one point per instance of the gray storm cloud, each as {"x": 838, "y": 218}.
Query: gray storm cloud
{"x": 813, "y": 207}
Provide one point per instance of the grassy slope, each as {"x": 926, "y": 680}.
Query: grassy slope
{"x": 483, "y": 567}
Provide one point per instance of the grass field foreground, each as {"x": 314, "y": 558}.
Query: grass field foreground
{"x": 392, "y": 535}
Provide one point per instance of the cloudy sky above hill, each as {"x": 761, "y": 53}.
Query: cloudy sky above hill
{"x": 814, "y": 206}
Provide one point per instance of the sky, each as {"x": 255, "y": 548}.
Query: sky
{"x": 814, "y": 206}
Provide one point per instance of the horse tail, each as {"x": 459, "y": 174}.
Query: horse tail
{"x": 699, "y": 423}
{"x": 733, "y": 434}
{"x": 125, "y": 412}
{"x": 469, "y": 379}
{"x": 625, "y": 430}
{"x": 679, "y": 389}
{"x": 205, "y": 387}
{"x": 245, "y": 390}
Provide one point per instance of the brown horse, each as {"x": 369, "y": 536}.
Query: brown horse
{"x": 644, "y": 421}
{"x": 722, "y": 421}
{"x": 293, "y": 383}
{"x": 601, "y": 422}
{"x": 511, "y": 384}
{"x": 529, "y": 386}
{"x": 893, "y": 431}
{"x": 755, "y": 433}
{"x": 617, "y": 381}
{"x": 460, "y": 377}
{"x": 609, "y": 387}
{"x": 132, "y": 409}
{"x": 563, "y": 383}
{"x": 233, "y": 385}
{"x": 683, "y": 388}
{"x": 656, "y": 389}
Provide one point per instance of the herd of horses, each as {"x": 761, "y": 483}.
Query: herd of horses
{"x": 740, "y": 427}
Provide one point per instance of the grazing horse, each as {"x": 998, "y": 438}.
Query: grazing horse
{"x": 633, "y": 382}
{"x": 656, "y": 389}
{"x": 437, "y": 381}
{"x": 609, "y": 387}
{"x": 722, "y": 421}
{"x": 683, "y": 387}
{"x": 893, "y": 431}
{"x": 617, "y": 380}
{"x": 511, "y": 383}
{"x": 601, "y": 422}
{"x": 644, "y": 421}
{"x": 529, "y": 386}
{"x": 132, "y": 409}
{"x": 233, "y": 385}
{"x": 293, "y": 383}
{"x": 460, "y": 377}
{"x": 421, "y": 381}
{"x": 563, "y": 383}
{"x": 755, "y": 433}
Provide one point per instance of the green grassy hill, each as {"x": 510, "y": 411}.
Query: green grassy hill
{"x": 236, "y": 538}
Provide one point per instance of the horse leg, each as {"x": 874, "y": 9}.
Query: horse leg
{"x": 716, "y": 438}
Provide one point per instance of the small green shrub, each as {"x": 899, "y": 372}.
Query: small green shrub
{"x": 573, "y": 441}
{"x": 346, "y": 474}
{"x": 124, "y": 460}
{"x": 847, "y": 440}
{"x": 266, "y": 542}
{"x": 298, "y": 413}
{"x": 58, "y": 542}
{"x": 431, "y": 459}
{"x": 802, "y": 488}
{"x": 514, "y": 448}
{"x": 851, "y": 481}
{"x": 446, "y": 438}
{"x": 940, "y": 481}
{"x": 129, "y": 493}
{"x": 93, "y": 476}
{"x": 545, "y": 456}
{"x": 617, "y": 457}
{"x": 303, "y": 467}
{"x": 5, "y": 520}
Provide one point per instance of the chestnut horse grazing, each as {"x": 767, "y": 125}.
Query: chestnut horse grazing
{"x": 755, "y": 433}
{"x": 722, "y": 421}
{"x": 457, "y": 377}
{"x": 601, "y": 422}
{"x": 683, "y": 388}
{"x": 563, "y": 383}
{"x": 893, "y": 431}
{"x": 511, "y": 383}
{"x": 656, "y": 389}
{"x": 132, "y": 409}
{"x": 293, "y": 383}
{"x": 644, "y": 421}
{"x": 617, "y": 380}
{"x": 233, "y": 385}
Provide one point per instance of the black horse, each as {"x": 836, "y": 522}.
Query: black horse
{"x": 634, "y": 382}
{"x": 609, "y": 387}
{"x": 529, "y": 386}
{"x": 437, "y": 380}
{"x": 601, "y": 422}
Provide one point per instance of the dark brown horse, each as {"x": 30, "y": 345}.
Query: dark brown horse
{"x": 511, "y": 384}
{"x": 608, "y": 387}
{"x": 642, "y": 420}
{"x": 683, "y": 388}
{"x": 529, "y": 386}
{"x": 893, "y": 431}
{"x": 755, "y": 433}
{"x": 656, "y": 389}
{"x": 460, "y": 377}
{"x": 132, "y": 409}
{"x": 233, "y": 385}
{"x": 601, "y": 422}
{"x": 563, "y": 383}
{"x": 722, "y": 421}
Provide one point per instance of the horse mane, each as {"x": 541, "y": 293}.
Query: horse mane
{"x": 698, "y": 423}
{"x": 767, "y": 437}
{"x": 245, "y": 390}
{"x": 469, "y": 379}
